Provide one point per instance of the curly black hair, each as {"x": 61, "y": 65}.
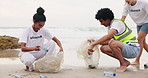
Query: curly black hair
{"x": 39, "y": 16}
{"x": 104, "y": 13}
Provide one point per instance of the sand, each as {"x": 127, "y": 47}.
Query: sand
{"x": 72, "y": 68}
{"x": 67, "y": 72}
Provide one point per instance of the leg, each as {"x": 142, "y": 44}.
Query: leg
{"x": 145, "y": 45}
{"x": 51, "y": 46}
{"x": 106, "y": 49}
{"x": 142, "y": 32}
{"x": 28, "y": 59}
{"x": 145, "y": 29}
{"x": 141, "y": 41}
{"x": 116, "y": 46}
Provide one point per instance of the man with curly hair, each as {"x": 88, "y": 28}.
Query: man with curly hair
{"x": 120, "y": 42}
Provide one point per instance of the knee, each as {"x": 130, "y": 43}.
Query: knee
{"x": 141, "y": 39}
{"x": 29, "y": 62}
{"x": 52, "y": 43}
{"x": 27, "y": 59}
{"x": 112, "y": 43}
{"x": 103, "y": 49}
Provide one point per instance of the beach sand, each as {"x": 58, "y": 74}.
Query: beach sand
{"x": 71, "y": 68}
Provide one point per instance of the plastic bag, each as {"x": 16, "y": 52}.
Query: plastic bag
{"x": 49, "y": 63}
{"x": 82, "y": 52}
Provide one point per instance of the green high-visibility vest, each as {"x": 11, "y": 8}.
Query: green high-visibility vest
{"x": 126, "y": 36}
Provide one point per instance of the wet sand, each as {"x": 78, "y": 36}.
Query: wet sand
{"x": 72, "y": 68}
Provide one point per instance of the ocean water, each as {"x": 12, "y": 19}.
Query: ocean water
{"x": 69, "y": 36}
{"x": 64, "y": 34}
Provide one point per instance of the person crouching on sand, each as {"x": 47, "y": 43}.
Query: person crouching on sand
{"x": 120, "y": 42}
{"x": 33, "y": 39}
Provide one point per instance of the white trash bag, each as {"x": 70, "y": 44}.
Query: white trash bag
{"x": 49, "y": 63}
{"x": 82, "y": 52}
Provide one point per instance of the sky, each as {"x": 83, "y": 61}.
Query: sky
{"x": 59, "y": 13}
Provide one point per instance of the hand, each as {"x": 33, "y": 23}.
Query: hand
{"x": 90, "y": 48}
{"x": 61, "y": 50}
{"x": 37, "y": 48}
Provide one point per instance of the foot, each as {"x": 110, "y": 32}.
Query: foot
{"x": 136, "y": 66}
{"x": 135, "y": 63}
{"x": 127, "y": 63}
{"x": 121, "y": 69}
{"x": 27, "y": 68}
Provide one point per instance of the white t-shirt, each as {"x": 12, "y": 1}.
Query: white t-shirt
{"x": 32, "y": 38}
{"x": 138, "y": 12}
{"x": 117, "y": 25}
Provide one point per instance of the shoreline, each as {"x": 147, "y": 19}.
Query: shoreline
{"x": 73, "y": 68}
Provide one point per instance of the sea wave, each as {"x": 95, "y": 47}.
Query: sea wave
{"x": 62, "y": 32}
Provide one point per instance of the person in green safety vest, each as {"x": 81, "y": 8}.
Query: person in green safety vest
{"x": 120, "y": 42}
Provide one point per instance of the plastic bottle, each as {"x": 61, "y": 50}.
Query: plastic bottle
{"x": 109, "y": 74}
{"x": 18, "y": 76}
{"x": 90, "y": 53}
{"x": 43, "y": 49}
{"x": 90, "y": 60}
{"x": 146, "y": 65}
{"x": 41, "y": 76}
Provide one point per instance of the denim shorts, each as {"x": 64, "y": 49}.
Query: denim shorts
{"x": 130, "y": 51}
{"x": 143, "y": 27}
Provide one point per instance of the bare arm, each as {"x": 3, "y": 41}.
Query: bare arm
{"x": 58, "y": 43}
{"x": 103, "y": 40}
{"x": 105, "y": 43}
{"x": 123, "y": 18}
{"x": 26, "y": 49}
